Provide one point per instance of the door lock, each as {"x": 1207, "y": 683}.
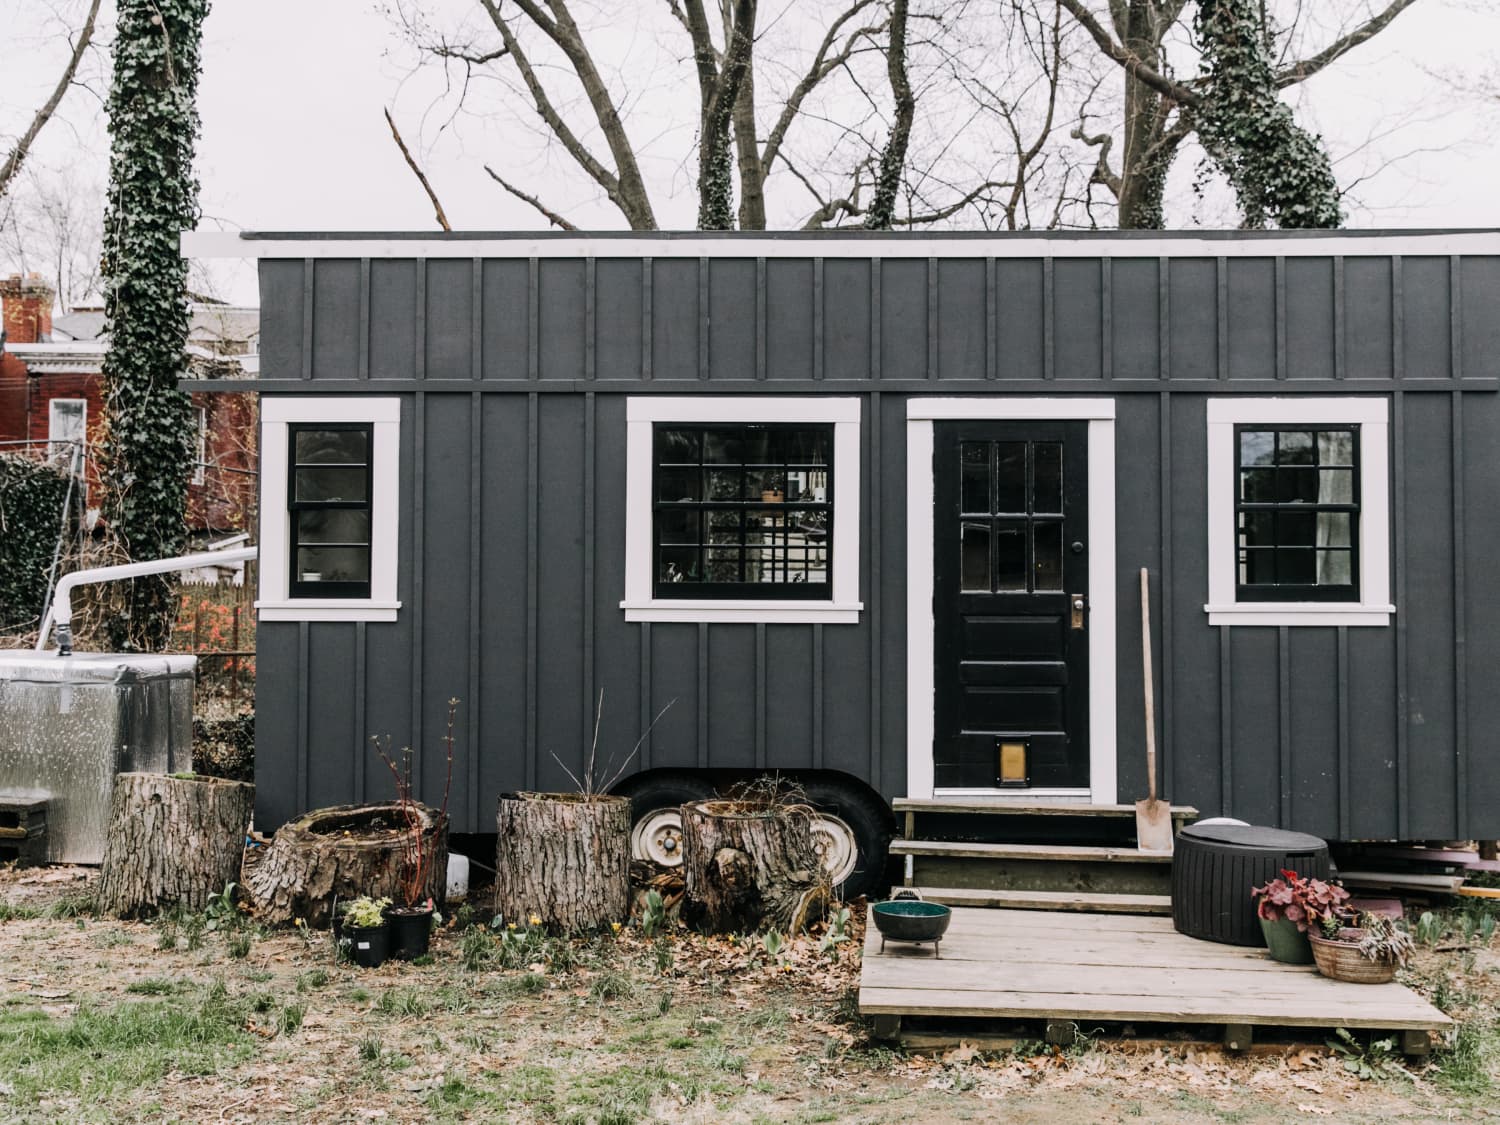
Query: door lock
{"x": 1079, "y": 605}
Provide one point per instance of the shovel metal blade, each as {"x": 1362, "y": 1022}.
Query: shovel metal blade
{"x": 1153, "y": 825}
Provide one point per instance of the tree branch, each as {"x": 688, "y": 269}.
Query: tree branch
{"x": 417, "y": 171}
{"x": 551, "y": 216}
{"x": 1133, "y": 63}
{"x": 1306, "y": 68}
{"x": 22, "y": 147}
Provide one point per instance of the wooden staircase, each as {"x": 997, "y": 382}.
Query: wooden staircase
{"x": 1031, "y": 855}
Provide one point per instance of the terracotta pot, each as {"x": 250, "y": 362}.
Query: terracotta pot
{"x": 1340, "y": 959}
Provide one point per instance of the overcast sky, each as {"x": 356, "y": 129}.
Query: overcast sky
{"x": 293, "y": 138}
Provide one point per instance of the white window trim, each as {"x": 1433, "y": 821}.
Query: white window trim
{"x": 75, "y": 454}
{"x": 200, "y": 466}
{"x": 1372, "y": 415}
{"x": 277, "y": 413}
{"x": 921, "y": 698}
{"x": 642, "y": 412}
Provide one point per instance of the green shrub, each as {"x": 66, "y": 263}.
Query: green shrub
{"x": 31, "y": 504}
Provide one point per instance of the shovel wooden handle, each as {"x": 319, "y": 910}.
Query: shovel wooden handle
{"x": 1147, "y": 685}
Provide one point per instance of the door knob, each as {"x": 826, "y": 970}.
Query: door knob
{"x": 1079, "y": 605}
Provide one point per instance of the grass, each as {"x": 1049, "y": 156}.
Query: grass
{"x": 1466, "y": 1064}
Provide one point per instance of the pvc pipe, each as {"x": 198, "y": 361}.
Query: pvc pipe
{"x": 60, "y": 614}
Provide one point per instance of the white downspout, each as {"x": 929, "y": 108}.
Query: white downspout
{"x": 60, "y": 613}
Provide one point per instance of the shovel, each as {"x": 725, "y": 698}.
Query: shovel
{"x": 1153, "y": 818}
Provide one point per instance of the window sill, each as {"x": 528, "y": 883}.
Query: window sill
{"x": 327, "y": 609}
{"x": 1299, "y": 613}
{"x": 762, "y": 612}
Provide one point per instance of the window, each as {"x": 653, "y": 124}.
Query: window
{"x": 67, "y": 430}
{"x": 1299, "y": 529}
{"x": 742, "y": 509}
{"x": 200, "y": 466}
{"x": 330, "y": 467}
{"x": 328, "y": 495}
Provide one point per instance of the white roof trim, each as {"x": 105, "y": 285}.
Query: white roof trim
{"x": 230, "y": 244}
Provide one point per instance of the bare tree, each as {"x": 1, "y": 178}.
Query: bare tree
{"x": 21, "y": 148}
{"x": 52, "y": 224}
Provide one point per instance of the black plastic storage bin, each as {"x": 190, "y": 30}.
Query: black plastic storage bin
{"x": 1215, "y": 865}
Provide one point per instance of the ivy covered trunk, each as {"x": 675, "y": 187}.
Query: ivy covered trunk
{"x": 153, "y": 196}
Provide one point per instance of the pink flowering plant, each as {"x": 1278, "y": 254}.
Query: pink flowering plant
{"x": 1297, "y": 899}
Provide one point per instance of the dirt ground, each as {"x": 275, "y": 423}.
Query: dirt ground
{"x": 207, "y": 1018}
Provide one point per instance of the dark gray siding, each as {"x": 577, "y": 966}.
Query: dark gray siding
{"x": 513, "y": 375}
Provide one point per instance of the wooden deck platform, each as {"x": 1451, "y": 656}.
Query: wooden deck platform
{"x": 1064, "y": 968}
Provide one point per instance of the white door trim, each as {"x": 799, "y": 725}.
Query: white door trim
{"x": 920, "y": 687}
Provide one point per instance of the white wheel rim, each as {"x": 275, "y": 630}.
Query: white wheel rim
{"x": 657, "y": 838}
{"x": 836, "y": 844}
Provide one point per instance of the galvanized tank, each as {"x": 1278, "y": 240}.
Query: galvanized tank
{"x": 69, "y": 724}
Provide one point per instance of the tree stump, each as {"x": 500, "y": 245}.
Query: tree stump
{"x": 752, "y": 865}
{"x": 564, "y": 858}
{"x": 172, "y": 840}
{"x": 341, "y": 852}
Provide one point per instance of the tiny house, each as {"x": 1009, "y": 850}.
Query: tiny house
{"x": 869, "y": 510}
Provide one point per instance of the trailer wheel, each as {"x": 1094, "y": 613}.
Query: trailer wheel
{"x": 851, "y": 832}
{"x": 656, "y": 816}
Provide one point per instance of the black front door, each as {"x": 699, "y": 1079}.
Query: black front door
{"x": 1010, "y": 602}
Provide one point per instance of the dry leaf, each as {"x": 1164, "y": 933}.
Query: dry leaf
{"x": 1315, "y": 1110}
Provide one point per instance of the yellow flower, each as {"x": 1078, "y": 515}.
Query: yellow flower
{"x": 510, "y": 925}
{"x": 614, "y": 927}
{"x": 535, "y": 920}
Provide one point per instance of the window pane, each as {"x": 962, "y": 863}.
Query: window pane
{"x": 332, "y": 447}
{"x": 724, "y": 526}
{"x": 337, "y": 525}
{"x": 1046, "y": 546}
{"x": 1257, "y": 567}
{"x": 1010, "y": 492}
{"x": 1257, "y": 447}
{"x": 1334, "y": 568}
{"x": 679, "y": 446}
{"x": 767, "y": 485}
{"x": 330, "y": 483}
{"x": 333, "y": 564}
{"x": 809, "y": 485}
{"x": 1258, "y": 486}
{"x": 678, "y": 564}
{"x": 1333, "y": 529}
{"x": 975, "y": 497}
{"x": 1295, "y": 529}
{"x": 723, "y": 564}
{"x": 1046, "y": 492}
{"x": 1336, "y": 486}
{"x": 674, "y": 485}
{"x": 1294, "y": 447}
{"x": 975, "y": 568}
{"x": 1335, "y": 447}
{"x": 1297, "y": 486}
{"x": 1295, "y": 567}
{"x": 806, "y": 447}
{"x": 1010, "y": 556}
{"x": 723, "y": 447}
{"x": 724, "y": 484}
{"x": 1258, "y": 529}
{"x": 677, "y": 527}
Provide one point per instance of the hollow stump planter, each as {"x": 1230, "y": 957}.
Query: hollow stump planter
{"x": 747, "y": 867}
{"x": 341, "y": 852}
{"x": 172, "y": 840}
{"x": 563, "y": 858}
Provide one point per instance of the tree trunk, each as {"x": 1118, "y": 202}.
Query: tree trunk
{"x": 751, "y": 867}
{"x": 563, "y": 858}
{"x": 172, "y": 840}
{"x": 342, "y": 852}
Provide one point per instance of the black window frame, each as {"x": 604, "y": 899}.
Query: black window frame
{"x": 296, "y": 588}
{"x": 740, "y": 591}
{"x": 1297, "y": 591}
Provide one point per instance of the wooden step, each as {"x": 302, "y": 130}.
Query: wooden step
{"x": 1060, "y": 852}
{"x": 1004, "y": 806}
{"x": 1072, "y": 901}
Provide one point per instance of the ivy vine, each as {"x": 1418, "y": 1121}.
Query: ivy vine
{"x": 153, "y": 196}
{"x": 31, "y": 497}
{"x": 1280, "y": 172}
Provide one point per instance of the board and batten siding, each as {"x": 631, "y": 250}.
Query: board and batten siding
{"x": 513, "y": 375}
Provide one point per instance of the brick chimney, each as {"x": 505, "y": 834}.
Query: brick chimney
{"x": 27, "y": 304}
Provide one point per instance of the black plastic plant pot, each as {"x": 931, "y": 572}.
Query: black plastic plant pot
{"x": 369, "y": 946}
{"x": 411, "y": 931}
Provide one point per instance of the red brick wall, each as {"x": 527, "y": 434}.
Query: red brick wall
{"x": 27, "y": 305}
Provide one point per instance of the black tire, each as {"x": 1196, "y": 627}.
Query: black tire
{"x": 869, "y": 821}
{"x": 656, "y": 794}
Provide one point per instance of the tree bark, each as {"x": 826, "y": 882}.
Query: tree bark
{"x": 172, "y": 840}
{"x": 563, "y": 858}
{"x": 750, "y": 867}
{"x": 341, "y": 852}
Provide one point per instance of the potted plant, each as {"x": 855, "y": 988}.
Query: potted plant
{"x": 423, "y": 848}
{"x": 1369, "y": 953}
{"x": 365, "y": 930}
{"x": 1288, "y": 906}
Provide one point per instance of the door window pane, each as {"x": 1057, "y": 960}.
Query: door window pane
{"x": 974, "y": 569}
{"x": 1010, "y": 476}
{"x": 1047, "y": 486}
{"x": 1010, "y": 556}
{"x": 975, "y": 459}
{"x": 1046, "y": 546}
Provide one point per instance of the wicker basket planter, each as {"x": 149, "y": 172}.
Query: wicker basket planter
{"x": 1341, "y": 959}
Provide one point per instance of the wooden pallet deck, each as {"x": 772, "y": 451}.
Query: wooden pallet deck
{"x": 1057, "y": 968}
